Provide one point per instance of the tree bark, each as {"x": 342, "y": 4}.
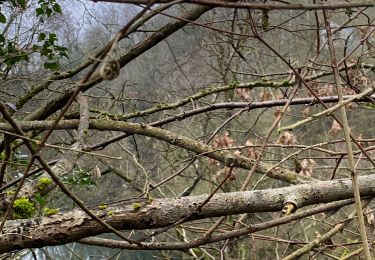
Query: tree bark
{"x": 172, "y": 138}
{"x": 141, "y": 214}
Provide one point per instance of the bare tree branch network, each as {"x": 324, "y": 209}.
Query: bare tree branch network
{"x": 200, "y": 129}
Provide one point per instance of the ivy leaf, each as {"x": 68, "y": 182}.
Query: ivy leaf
{"x": 57, "y": 8}
{"x": 52, "y": 37}
{"x": 41, "y": 37}
{"x": 3, "y": 19}
{"x": 39, "y": 11}
{"x": 48, "y": 11}
{"x": 22, "y": 3}
{"x": 51, "y": 65}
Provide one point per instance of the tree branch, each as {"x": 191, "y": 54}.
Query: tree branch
{"x": 262, "y": 6}
{"x": 171, "y": 138}
{"x": 71, "y": 226}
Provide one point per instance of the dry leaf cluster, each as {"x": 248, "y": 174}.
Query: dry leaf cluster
{"x": 224, "y": 141}
{"x": 243, "y": 93}
{"x": 307, "y": 166}
{"x": 265, "y": 96}
{"x": 287, "y": 138}
{"x": 335, "y": 128}
{"x": 221, "y": 174}
{"x": 251, "y": 152}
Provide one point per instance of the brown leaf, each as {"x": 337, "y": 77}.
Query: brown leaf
{"x": 369, "y": 213}
{"x": 213, "y": 161}
{"x": 287, "y": 138}
{"x": 251, "y": 152}
{"x": 280, "y": 96}
{"x": 243, "y": 93}
{"x": 277, "y": 112}
{"x": 221, "y": 174}
{"x": 307, "y": 166}
{"x": 348, "y": 91}
{"x": 335, "y": 129}
{"x": 306, "y": 112}
{"x": 265, "y": 96}
{"x": 224, "y": 141}
{"x": 313, "y": 85}
{"x": 326, "y": 90}
{"x": 228, "y": 140}
{"x": 351, "y": 106}
{"x": 358, "y": 79}
{"x": 96, "y": 172}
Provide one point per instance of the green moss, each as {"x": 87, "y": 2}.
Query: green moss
{"x": 265, "y": 20}
{"x": 40, "y": 199}
{"x": 137, "y": 206}
{"x": 23, "y": 208}
{"x": 285, "y": 83}
{"x": 49, "y": 212}
{"x": 110, "y": 213}
{"x": 10, "y": 193}
{"x": 43, "y": 183}
{"x": 101, "y": 207}
{"x": 235, "y": 83}
{"x": 150, "y": 199}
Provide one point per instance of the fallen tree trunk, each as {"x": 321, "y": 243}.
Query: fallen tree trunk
{"x": 141, "y": 214}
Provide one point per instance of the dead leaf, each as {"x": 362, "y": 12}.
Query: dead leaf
{"x": 277, "y": 112}
{"x": 335, "y": 128}
{"x": 96, "y": 172}
{"x": 265, "y": 96}
{"x": 306, "y": 112}
{"x": 243, "y": 93}
{"x": 251, "y": 152}
{"x": 280, "y": 96}
{"x": 221, "y": 174}
{"x": 369, "y": 213}
{"x": 287, "y": 138}
{"x": 348, "y": 91}
{"x": 224, "y": 141}
{"x": 326, "y": 90}
{"x": 351, "y": 106}
{"x": 314, "y": 86}
{"x": 307, "y": 166}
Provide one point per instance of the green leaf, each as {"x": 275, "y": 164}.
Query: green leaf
{"x": 41, "y": 37}
{"x": 3, "y": 19}
{"x": 42, "y": 201}
{"x": 22, "y": 3}
{"x": 48, "y": 11}
{"x": 39, "y": 11}
{"x": 51, "y": 65}
{"x": 44, "y": 51}
{"x": 52, "y": 36}
{"x": 57, "y": 8}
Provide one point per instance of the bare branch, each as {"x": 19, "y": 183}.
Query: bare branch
{"x": 261, "y": 6}
{"x": 164, "y": 212}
